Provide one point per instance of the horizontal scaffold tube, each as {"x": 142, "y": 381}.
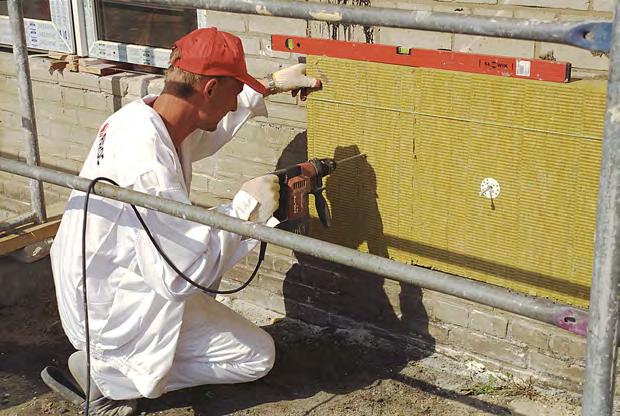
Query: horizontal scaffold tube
{"x": 592, "y": 35}
{"x": 563, "y": 316}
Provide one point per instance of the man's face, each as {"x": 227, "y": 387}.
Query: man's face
{"x": 218, "y": 98}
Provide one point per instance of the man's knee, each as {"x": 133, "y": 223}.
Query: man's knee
{"x": 263, "y": 357}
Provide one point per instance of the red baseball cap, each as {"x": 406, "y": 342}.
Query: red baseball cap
{"x": 212, "y": 52}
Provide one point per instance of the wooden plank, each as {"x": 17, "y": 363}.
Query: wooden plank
{"x": 99, "y": 67}
{"x": 60, "y": 61}
{"x": 59, "y": 56}
{"x": 27, "y": 234}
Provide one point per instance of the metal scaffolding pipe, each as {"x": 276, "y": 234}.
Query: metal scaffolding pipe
{"x": 29, "y": 122}
{"x": 17, "y": 220}
{"x": 592, "y": 35}
{"x": 563, "y": 316}
{"x": 599, "y": 384}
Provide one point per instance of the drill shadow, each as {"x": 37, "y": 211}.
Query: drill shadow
{"x": 349, "y": 296}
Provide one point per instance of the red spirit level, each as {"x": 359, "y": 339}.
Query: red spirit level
{"x": 506, "y": 66}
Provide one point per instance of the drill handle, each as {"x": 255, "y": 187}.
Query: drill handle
{"x": 322, "y": 209}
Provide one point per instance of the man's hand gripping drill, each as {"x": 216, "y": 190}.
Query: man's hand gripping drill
{"x": 284, "y": 192}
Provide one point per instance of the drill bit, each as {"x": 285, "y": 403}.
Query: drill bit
{"x": 350, "y": 158}
{"x": 283, "y": 170}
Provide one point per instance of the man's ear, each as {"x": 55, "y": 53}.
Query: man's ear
{"x": 209, "y": 87}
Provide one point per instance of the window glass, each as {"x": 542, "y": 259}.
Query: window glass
{"x": 124, "y": 21}
{"x": 33, "y": 9}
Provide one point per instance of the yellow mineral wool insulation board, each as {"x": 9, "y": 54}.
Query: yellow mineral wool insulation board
{"x": 431, "y": 137}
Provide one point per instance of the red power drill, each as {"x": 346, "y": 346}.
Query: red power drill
{"x": 300, "y": 180}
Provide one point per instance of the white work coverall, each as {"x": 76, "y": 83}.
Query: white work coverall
{"x": 151, "y": 331}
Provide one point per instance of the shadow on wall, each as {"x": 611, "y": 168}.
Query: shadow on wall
{"x": 334, "y": 295}
{"x": 329, "y": 293}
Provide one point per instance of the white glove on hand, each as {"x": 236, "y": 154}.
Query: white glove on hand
{"x": 266, "y": 190}
{"x": 293, "y": 79}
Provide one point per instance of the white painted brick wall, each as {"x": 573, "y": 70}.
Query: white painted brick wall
{"x": 78, "y": 80}
{"x": 568, "y": 345}
{"x": 137, "y": 85}
{"x": 251, "y": 46}
{"x": 9, "y": 120}
{"x": 156, "y": 86}
{"x": 496, "y": 349}
{"x": 40, "y": 71}
{"x": 408, "y": 5}
{"x": 580, "y": 58}
{"x": 261, "y": 67}
{"x": 73, "y": 97}
{"x": 92, "y": 119}
{"x": 452, "y": 313}
{"x": 558, "y": 4}
{"x": 7, "y": 64}
{"x": 229, "y": 22}
{"x": 347, "y": 33}
{"x": 415, "y": 38}
{"x": 603, "y": 5}
{"x": 99, "y": 101}
{"x": 46, "y": 91}
{"x": 494, "y": 46}
{"x": 9, "y": 101}
{"x": 479, "y": 1}
{"x": 8, "y": 85}
{"x": 555, "y": 367}
{"x": 535, "y": 13}
{"x": 452, "y": 8}
{"x": 55, "y": 112}
{"x": 493, "y": 11}
{"x": 274, "y": 25}
{"x": 290, "y": 113}
{"x": 530, "y": 332}
{"x": 112, "y": 83}
{"x": 490, "y": 323}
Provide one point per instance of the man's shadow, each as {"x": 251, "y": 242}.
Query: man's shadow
{"x": 337, "y": 296}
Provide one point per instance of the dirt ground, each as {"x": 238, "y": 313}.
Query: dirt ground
{"x": 319, "y": 371}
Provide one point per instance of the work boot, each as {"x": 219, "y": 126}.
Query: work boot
{"x": 74, "y": 392}
{"x": 99, "y": 404}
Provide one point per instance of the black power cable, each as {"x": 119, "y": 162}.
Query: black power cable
{"x": 261, "y": 257}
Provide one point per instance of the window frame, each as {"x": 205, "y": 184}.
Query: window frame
{"x": 56, "y": 34}
{"x": 125, "y": 52}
